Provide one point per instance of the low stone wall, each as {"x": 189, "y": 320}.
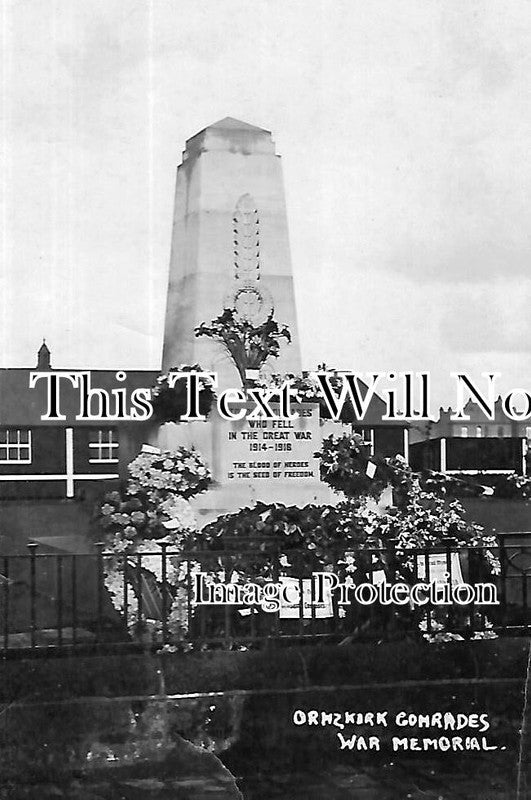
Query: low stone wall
{"x": 128, "y": 674}
{"x": 89, "y": 715}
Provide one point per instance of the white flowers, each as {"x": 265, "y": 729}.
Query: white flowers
{"x": 154, "y": 505}
{"x": 181, "y": 471}
{"x": 179, "y": 510}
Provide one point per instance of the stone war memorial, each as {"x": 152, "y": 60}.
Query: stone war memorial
{"x": 218, "y": 580}
{"x": 230, "y": 252}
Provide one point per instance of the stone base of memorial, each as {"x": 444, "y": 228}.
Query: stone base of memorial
{"x": 269, "y": 461}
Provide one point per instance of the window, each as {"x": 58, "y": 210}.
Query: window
{"x": 103, "y": 447}
{"x": 15, "y": 447}
{"x": 528, "y": 432}
{"x": 464, "y": 432}
{"x": 478, "y": 431}
{"x": 365, "y": 433}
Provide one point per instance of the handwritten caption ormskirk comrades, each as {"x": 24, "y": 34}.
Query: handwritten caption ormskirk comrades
{"x": 444, "y": 730}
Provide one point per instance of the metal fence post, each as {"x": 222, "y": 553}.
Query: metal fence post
{"x": 100, "y": 586}
{"x": 6, "y": 605}
{"x": 140, "y": 596}
{"x": 59, "y": 602}
{"x": 163, "y": 555}
{"x": 74, "y": 599}
{"x": 32, "y": 547}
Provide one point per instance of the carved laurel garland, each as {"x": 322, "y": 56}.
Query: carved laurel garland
{"x": 248, "y": 297}
{"x": 246, "y": 240}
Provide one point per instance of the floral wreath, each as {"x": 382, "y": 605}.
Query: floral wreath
{"x": 152, "y": 511}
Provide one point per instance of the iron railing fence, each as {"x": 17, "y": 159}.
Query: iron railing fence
{"x": 251, "y": 592}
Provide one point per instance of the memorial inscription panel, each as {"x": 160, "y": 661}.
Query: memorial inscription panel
{"x": 276, "y": 450}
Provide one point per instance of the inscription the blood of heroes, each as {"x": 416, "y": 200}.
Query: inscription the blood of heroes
{"x": 278, "y": 449}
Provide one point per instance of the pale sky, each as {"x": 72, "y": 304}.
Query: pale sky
{"x": 404, "y": 129}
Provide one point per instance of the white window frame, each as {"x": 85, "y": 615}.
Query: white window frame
{"x": 15, "y": 445}
{"x": 366, "y": 440}
{"x": 105, "y": 446}
{"x": 464, "y": 432}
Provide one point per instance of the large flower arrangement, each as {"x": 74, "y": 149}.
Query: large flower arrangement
{"x": 344, "y": 460}
{"x": 248, "y": 345}
{"x": 311, "y": 535}
{"x": 343, "y": 465}
{"x": 152, "y": 511}
{"x": 163, "y": 475}
{"x": 423, "y": 514}
{"x": 355, "y": 537}
{"x": 321, "y": 532}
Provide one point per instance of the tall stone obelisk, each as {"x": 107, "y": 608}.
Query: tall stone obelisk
{"x": 230, "y": 246}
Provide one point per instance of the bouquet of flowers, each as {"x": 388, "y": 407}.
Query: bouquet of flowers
{"x": 152, "y": 511}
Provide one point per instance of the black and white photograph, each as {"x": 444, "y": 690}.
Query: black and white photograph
{"x": 265, "y": 400}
